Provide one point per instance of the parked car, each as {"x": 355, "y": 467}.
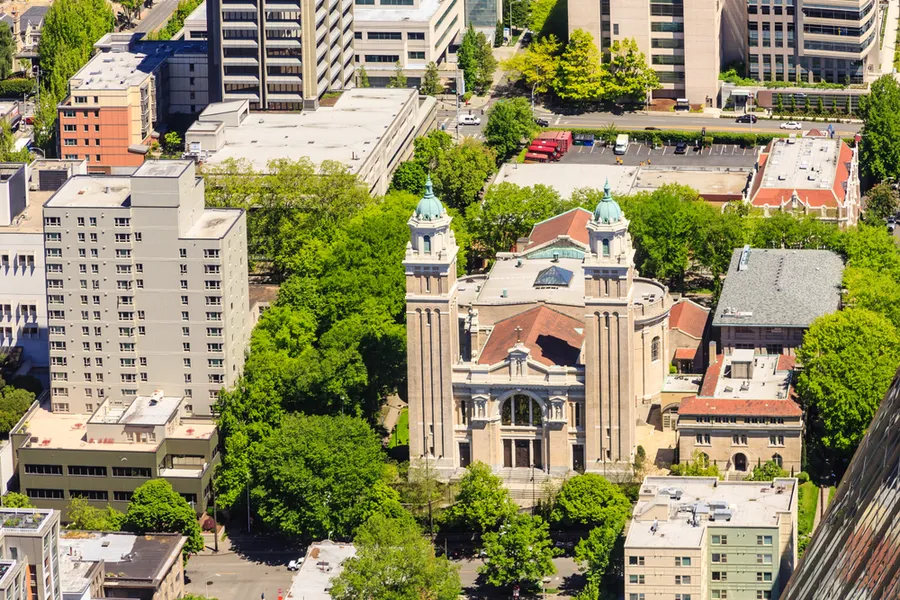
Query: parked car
{"x": 469, "y": 120}
{"x": 747, "y": 119}
{"x": 792, "y": 125}
{"x": 651, "y": 128}
{"x": 681, "y": 148}
{"x": 892, "y": 219}
{"x": 295, "y": 564}
{"x": 542, "y": 122}
{"x": 891, "y": 227}
{"x": 526, "y": 37}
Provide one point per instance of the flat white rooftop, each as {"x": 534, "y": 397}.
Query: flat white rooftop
{"x": 84, "y": 191}
{"x": 802, "y": 163}
{"x": 143, "y": 410}
{"x": 423, "y": 13}
{"x": 767, "y": 382}
{"x": 213, "y": 223}
{"x": 751, "y": 504}
{"x": 348, "y": 132}
{"x": 566, "y": 178}
{"x": 323, "y": 563}
{"x": 682, "y": 383}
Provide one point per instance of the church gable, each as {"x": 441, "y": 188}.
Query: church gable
{"x": 552, "y": 338}
{"x": 571, "y": 224}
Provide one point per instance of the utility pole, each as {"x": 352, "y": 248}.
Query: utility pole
{"x": 248, "y": 506}
{"x": 215, "y": 524}
{"x": 460, "y": 91}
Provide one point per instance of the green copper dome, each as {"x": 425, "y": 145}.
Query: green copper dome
{"x": 608, "y": 210}
{"x": 429, "y": 206}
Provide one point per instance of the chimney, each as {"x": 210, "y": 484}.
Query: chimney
{"x": 712, "y": 353}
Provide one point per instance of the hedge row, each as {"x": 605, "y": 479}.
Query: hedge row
{"x": 15, "y": 88}
{"x": 670, "y": 136}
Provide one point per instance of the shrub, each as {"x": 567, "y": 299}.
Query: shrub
{"x": 14, "y": 88}
{"x": 802, "y": 477}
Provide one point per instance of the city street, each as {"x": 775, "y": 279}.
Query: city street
{"x": 156, "y": 16}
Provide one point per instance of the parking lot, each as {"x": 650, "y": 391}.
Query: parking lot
{"x": 719, "y": 155}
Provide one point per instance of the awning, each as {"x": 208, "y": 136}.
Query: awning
{"x": 740, "y": 93}
{"x": 685, "y": 353}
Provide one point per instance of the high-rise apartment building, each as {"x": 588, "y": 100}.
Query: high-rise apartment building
{"x": 29, "y": 554}
{"x": 146, "y": 289}
{"x": 687, "y": 42}
{"x": 279, "y": 54}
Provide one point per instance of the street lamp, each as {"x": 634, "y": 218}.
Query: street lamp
{"x": 532, "y": 490}
{"x": 534, "y": 85}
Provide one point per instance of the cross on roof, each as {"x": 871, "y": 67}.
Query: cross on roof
{"x": 518, "y": 331}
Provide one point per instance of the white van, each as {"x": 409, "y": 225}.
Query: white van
{"x": 621, "y": 144}
{"x": 469, "y": 120}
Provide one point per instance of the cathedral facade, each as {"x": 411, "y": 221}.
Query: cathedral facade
{"x": 548, "y": 361}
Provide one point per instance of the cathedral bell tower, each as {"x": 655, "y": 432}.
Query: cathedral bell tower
{"x": 432, "y": 332}
{"x": 609, "y": 338}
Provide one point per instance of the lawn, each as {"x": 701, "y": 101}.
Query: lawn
{"x": 806, "y": 507}
{"x": 400, "y": 435}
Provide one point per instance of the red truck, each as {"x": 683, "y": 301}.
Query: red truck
{"x": 549, "y": 151}
{"x": 562, "y": 138}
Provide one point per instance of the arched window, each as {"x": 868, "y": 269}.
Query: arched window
{"x": 426, "y": 244}
{"x": 776, "y": 458}
{"x": 654, "y": 349}
{"x": 605, "y": 247}
{"x": 521, "y": 411}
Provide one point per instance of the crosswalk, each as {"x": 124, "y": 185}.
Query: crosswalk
{"x": 449, "y": 125}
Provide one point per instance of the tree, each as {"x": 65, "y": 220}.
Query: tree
{"x": 17, "y": 500}
{"x": 156, "y": 508}
{"x": 629, "y": 75}
{"x": 581, "y": 73}
{"x": 539, "y": 64}
{"x": 820, "y": 105}
{"x": 698, "y": 466}
{"x": 319, "y": 476}
{"x": 843, "y": 389}
{"x": 8, "y": 152}
{"x": 509, "y": 121}
{"x": 521, "y": 553}
{"x": 131, "y": 8}
{"x": 882, "y": 201}
{"x": 173, "y": 142}
{"x": 362, "y": 78}
{"x": 498, "y": 34}
{"x": 83, "y": 516}
{"x": 879, "y": 154}
{"x": 767, "y": 471}
{"x": 594, "y": 552}
{"x": 431, "y": 82}
{"x": 783, "y": 230}
{"x": 873, "y": 290}
{"x": 717, "y": 235}
{"x": 482, "y": 503}
{"x": 590, "y": 500}
{"x": 428, "y": 149}
{"x": 541, "y": 10}
{"x": 7, "y": 50}
{"x": 467, "y": 58}
{"x": 508, "y": 213}
{"x": 485, "y": 62}
{"x": 409, "y": 177}
{"x": 399, "y": 78}
{"x": 394, "y": 562}
{"x": 517, "y": 11}
{"x": 14, "y": 403}
{"x": 461, "y": 172}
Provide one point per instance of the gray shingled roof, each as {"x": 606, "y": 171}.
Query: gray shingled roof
{"x": 780, "y": 288}
{"x": 33, "y": 16}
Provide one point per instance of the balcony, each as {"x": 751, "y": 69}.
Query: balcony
{"x": 283, "y": 43}
{"x": 244, "y": 7}
{"x": 282, "y": 78}
{"x": 249, "y": 96}
{"x": 239, "y": 43}
{"x": 284, "y": 61}
{"x": 250, "y": 79}
{"x": 240, "y": 25}
{"x": 240, "y": 61}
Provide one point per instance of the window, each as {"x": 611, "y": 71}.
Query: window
{"x": 654, "y": 349}
{"x": 764, "y": 576}
{"x": 720, "y": 539}
{"x": 124, "y": 496}
{"x": 415, "y": 35}
{"x": 636, "y": 560}
{"x": 764, "y": 559}
{"x": 211, "y": 253}
{"x": 522, "y": 411}
{"x": 182, "y": 252}
{"x": 636, "y": 579}
{"x": 723, "y": 594}
{"x": 703, "y": 439}
{"x": 385, "y": 35}
{"x": 185, "y": 315}
{"x": 635, "y": 596}
{"x": 682, "y": 561}
{"x": 52, "y": 221}
{"x": 776, "y": 440}
{"x": 122, "y": 221}
{"x": 720, "y": 575}
{"x": 719, "y": 558}
{"x": 87, "y": 471}
{"x": 763, "y": 595}
{"x": 89, "y": 494}
{"x": 682, "y": 597}
{"x": 184, "y": 284}
{"x": 682, "y": 580}
{"x": 739, "y": 440}
{"x": 45, "y": 494}
{"x": 43, "y": 469}
{"x": 764, "y": 540}
{"x": 187, "y": 363}
{"x": 416, "y": 55}
{"x": 131, "y": 472}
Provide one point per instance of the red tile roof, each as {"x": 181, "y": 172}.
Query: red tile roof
{"x": 786, "y": 362}
{"x": 733, "y": 407}
{"x": 814, "y": 133}
{"x": 814, "y": 198}
{"x": 572, "y": 223}
{"x": 688, "y": 317}
{"x": 685, "y": 353}
{"x": 708, "y": 388}
{"x": 552, "y": 337}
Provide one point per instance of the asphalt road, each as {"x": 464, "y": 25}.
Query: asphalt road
{"x": 156, "y": 16}
{"x": 678, "y": 121}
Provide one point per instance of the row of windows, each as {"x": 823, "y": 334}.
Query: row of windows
{"x": 761, "y": 559}
{"x": 50, "y": 494}
{"x": 748, "y": 420}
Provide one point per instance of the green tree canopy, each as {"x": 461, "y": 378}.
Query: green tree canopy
{"x": 849, "y": 359}
{"x": 431, "y": 82}
{"x": 428, "y": 149}
{"x": 590, "y": 500}
{"x": 581, "y": 73}
{"x": 83, "y": 516}
{"x": 521, "y": 553}
{"x": 879, "y": 153}
{"x": 518, "y": 12}
{"x": 409, "y": 177}
{"x": 467, "y": 58}
{"x": 539, "y": 64}
{"x": 629, "y": 75}
{"x": 882, "y": 201}
{"x": 398, "y": 80}
{"x": 17, "y": 500}
{"x": 767, "y": 471}
{"x": 697, "y": 466}
{"x": 508, "y": 213}
{"x": 14, "y": 403}
{"x": 394, "y": 562}
{"x": 319, "y": 476}
{"x": 156, "y": 508}
{"x": 482, "y": 503}
{"x": 594, "y": 553}
{"x": 509, "y": 122}
{"x": 461, "y": 172}
{"x": 7, "y": 50}
{"x": 362, "y": 77}
{"x": 783, "y": 230}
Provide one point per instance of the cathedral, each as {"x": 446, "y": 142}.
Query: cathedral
{"x": 546, "y": 362}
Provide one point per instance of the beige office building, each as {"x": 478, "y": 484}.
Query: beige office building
{"x": 29, "y": 554}
{"x": 279, "y": 55}
{"x": 414, "y": 34}
{"x": 698, "y": 538}
{"x": 146, "y": 289}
